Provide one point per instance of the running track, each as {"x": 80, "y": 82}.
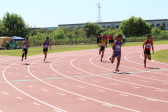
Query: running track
{"x": 77, "y": 81}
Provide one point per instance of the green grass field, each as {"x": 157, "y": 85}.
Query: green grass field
{"x": 64, "y": 48}
{"x": 161, "y": 55}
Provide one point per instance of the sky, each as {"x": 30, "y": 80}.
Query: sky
{"x": 51, "y": 13}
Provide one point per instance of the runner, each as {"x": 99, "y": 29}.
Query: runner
{"x": 102, "y": 44}
{"x": 117, "y": 51}
{"x": 148, "y": 44}
{"x": 111, "y": 40}
{"x": 45, "y": 45}
{"x": 25, "y": 46}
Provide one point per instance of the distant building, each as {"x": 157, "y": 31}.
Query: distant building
{"x": 116, "y": 24}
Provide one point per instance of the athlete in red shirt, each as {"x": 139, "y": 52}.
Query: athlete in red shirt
{"x": 111, "y": 40}
{"x": 146, "y": 48}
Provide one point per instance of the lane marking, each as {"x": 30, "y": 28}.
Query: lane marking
{"x": 82, "y": 99}
{"x": 5, "y": 93}
{"x": 19, "y": 98}
{"x": 73, "y": 92}
{"x": 135, "y": 87}
{"x": 61, "y": 94}
{"x": 113, "y": 83}
{"x": 144, "y": 81}
{"x": 123, "y": 95}
{"x": 64, "y": 83}
{"x": 135, "y": 95}
{"x": 96, "y": 81}
{"x": 44, "y": 89}
{"x": 36, "y": 103}
{"x": 26, "y": 93}
{"x": 151, "y": 99}
{"x": 81, "y": 87}
{"x": 30, "y": 86}
{"x": 108, "y": 105}
{"x": 101, "y": 90}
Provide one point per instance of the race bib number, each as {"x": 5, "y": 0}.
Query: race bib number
{"x": 24, "y": 46}
{"x": 117, "y": 48}
{"x": 148, "y": 45}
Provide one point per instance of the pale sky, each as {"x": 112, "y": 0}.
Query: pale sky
{"x": 51, "y": 13}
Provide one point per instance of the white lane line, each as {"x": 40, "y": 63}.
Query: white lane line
{"x": 135, "y": 95}
{"x": 151, "y": 99}
{"x": 19, "y": 98}
{"x": 30, "y": 86}
{"x": 101, "y": 90}
{"x": 96, "y": 81}
{"x": 60, "y": 110}
{"x": 26, "y": 76}
{"x": 61, "y": 94}
{"x": 135, "y": 87}
{"x": 124, "y": 95}
{"x": 82, "y": 99}
{"x": 126, "y": 74}
{"x": 108, "y": 105}
{"x": 36, "y": 103}
{"x": 144, "y": 81}
{"x": 5, "y": 93}
{"x": 64, "y": 83}
{"x": 81, "y": 87}
{"x": 113, "y": 83}
{"x": 126, "y": 78}
{"x": 44, "y": 89}
{"x": 160, "y": 90}
{"x": 152, "y": 76}
{"x": 115, "y": 79}
{"x": 75, "y": 93}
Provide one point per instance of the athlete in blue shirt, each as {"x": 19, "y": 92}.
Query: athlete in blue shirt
{"x": 117, "y": 51}
{"x": 45, "y": 46}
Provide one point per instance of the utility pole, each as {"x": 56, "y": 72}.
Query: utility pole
{"x": 99, "y": 18}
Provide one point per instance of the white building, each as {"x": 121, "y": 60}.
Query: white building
{"x": 116, "y": 24}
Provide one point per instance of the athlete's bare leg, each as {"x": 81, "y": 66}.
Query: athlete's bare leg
{"x": 118, "y": 62}
{"x": 102, "y": 55}
{"x": 23, "y": 54}
{"x": 145, "y": 57}
{"x": 112, "y": 59}
{"x": 45, "y": 56}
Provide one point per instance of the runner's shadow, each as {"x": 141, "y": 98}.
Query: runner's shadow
{"x": 26, "y": 64}
{"x": 47, "y": 62}
{"x": 152, "y": 68}
{"x": 105, "y": 62}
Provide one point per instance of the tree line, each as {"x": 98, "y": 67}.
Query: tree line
{"x": 13, "y": 24}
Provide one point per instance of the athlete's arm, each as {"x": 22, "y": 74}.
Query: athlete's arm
{"x": 144, "y": 45}
{"x": 152, "y": 47}
{"x": 42, "y": 45}
{"x": 106, "y": 43}
{"x": 50, "y": 45}
{"x": 114, "y": 46}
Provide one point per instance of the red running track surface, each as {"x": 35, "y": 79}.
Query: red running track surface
{"x": 77, "y": 81}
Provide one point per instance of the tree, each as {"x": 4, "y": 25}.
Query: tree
{"x": 59, "y": 34}
{"x": 135, "y": 26}
{"x": 14, "y": 25}
{"x": 92, "y": 29}
{"x": 161, "y": 27}
{"x": 156, "y": 31}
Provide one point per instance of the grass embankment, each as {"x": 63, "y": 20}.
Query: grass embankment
{"x": 64, "y": 48}
{"x": 161, "y": 56}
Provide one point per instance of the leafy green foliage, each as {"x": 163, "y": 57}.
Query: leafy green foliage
{"x": 13, "y": 25}
{"x": 135, "y": 26}
{"x": 93, "y": 29}
{"x": 156, "y": 31}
